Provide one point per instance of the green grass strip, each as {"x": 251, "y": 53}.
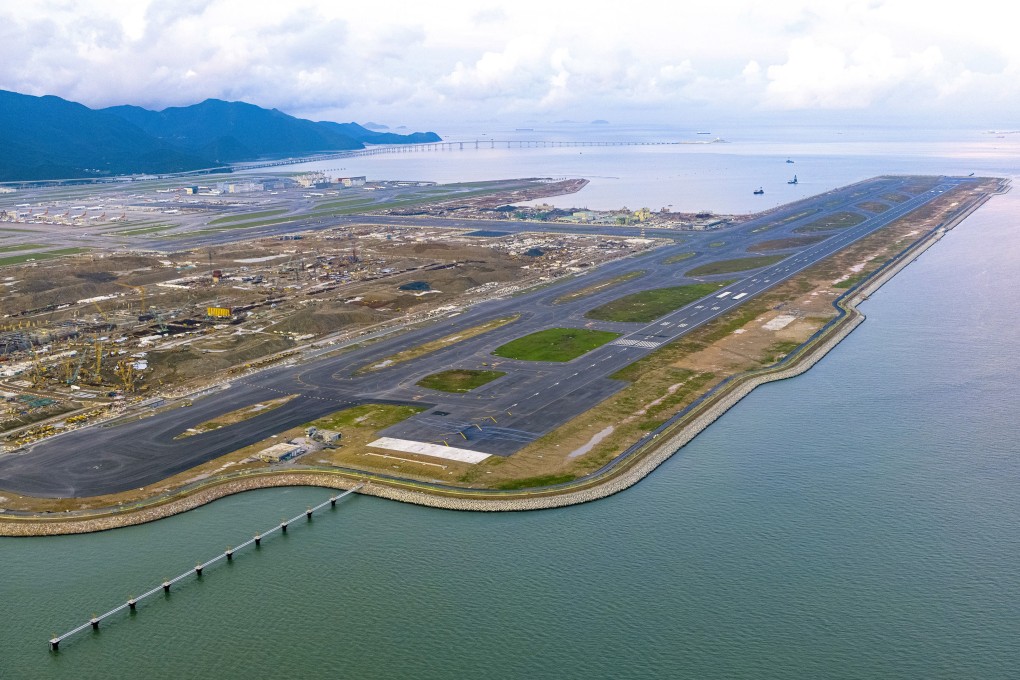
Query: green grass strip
{"x": 248, "y": 216}
{"x": 649, "y": 305}
{"x": 459, "y": 380}
{"x": 555, "y": 344}
{"x": 741, "y": 264}
{"x": 47, "y": 255}
{"x": 21, "y": 246}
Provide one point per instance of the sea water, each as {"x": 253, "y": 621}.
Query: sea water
{"x": 861, "y": 520}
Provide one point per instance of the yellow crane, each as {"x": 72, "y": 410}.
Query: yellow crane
{"x": 125, "y": 371}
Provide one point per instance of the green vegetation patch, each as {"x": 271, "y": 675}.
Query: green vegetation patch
{"x": 785, "y": 220}
{"x": 873, "y": 206}
{"x": 555, "y": 344}
{"x": 741, "y": 264}
{"x": 778, "y": 351}
{"x": 717, "y": 244}
{"x": 598, "y": 287}
{"x": 374, "y": 416}
{"x": 649, "y": 305}
{"x": 895, "y": 198}
{"x": 850, "y": 281}
{"x": 679, "y": 257}
{"x": 839, "y": 220}
{"x": 47, "y": 255}
{"x": 459, "y": 380}
{"x": 248, "y": 216}
{"x": 784, "y": 243}
{"x": 536, "y": 482}
{"x": 143, "y": 230}
{"x": 21, "y": 246}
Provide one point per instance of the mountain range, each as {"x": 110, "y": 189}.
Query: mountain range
{"x": 52, "y": 138}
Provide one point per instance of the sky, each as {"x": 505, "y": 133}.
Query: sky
{"x": 428, "y": 65}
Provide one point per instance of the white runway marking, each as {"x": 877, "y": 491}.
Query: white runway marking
{"x": 647, "y": 344}
{"x": 435, "y": 450}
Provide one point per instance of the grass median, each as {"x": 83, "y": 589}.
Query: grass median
{"x": 555, "y": 344}
{"x": 649, "y": 305}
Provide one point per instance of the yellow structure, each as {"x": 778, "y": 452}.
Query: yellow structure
{"x": 220, "y": 312}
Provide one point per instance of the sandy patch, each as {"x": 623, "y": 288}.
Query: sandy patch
{"x": 592, "y": 443}
{"x": 779, "y": 323}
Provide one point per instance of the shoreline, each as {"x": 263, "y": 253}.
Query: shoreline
{"x": 630, "y": 467}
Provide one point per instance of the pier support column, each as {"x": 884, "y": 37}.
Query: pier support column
{"x": 95, "y": 623}
{"x": 308, "y": 514}
{"x": 332, "y": 501}
{"x": 132, "y": 604}
{"x": 230, "y": 554}
{"x": 283, "y": 526}
{"x": 54, "y": 644}
{"x": 258, "y": 540}
{"x": 166, "y": 586}
{"x": 198, "y": 569}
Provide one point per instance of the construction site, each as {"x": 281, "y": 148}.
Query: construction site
{"x": 84, "y": 335}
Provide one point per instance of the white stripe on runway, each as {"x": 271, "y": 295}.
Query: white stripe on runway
{"x": 435, "y": 450}
{"x": 647, "y": 344}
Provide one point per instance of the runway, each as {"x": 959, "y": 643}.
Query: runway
{"x": 498, "y": 418}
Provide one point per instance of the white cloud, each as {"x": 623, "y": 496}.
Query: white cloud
{"x": 407, "y": 60}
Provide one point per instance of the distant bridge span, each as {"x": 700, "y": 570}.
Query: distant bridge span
{"x": 456, "y": 146}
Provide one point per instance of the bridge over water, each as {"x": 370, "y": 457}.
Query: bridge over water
{"x": 461, "y": 146}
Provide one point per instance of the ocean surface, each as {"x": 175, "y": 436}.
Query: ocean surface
{"x": 859, "y": 521}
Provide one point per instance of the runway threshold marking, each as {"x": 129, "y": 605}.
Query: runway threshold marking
{"x": 424, "y": 449}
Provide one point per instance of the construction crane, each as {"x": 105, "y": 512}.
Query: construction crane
{"x": 125, "y": 371}
{"x": 354, "y": 247}
{"x": 37, "y": 370}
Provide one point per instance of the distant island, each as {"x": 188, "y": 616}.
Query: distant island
{"x": 599, "y": 121}
{"x": 53, "y": 138}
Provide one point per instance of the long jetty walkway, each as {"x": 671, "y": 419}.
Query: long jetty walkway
{"x": 165, "y": 586}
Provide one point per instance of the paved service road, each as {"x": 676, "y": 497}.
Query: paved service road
{"x": 498, "y": 418}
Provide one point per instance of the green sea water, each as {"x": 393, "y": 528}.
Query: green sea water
{"x": 859, "y": 521}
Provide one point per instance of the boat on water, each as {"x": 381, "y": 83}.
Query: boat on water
{"x": 759, "y": 191}
{"x": 793, "y": 181}
{"x": 788, "y": 160}
{"x": 704, "y": 133}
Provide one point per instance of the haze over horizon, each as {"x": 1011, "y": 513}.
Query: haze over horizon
{"x": 892, "y": 62}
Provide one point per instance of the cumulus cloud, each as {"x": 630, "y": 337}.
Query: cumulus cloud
{"x": 824, "y": 76}
{"x": 406, "y": 61}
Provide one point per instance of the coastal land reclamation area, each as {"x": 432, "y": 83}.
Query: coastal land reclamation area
{"x": 449, "y": 345}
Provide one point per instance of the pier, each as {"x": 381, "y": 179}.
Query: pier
{"x": 227, "y": 555}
